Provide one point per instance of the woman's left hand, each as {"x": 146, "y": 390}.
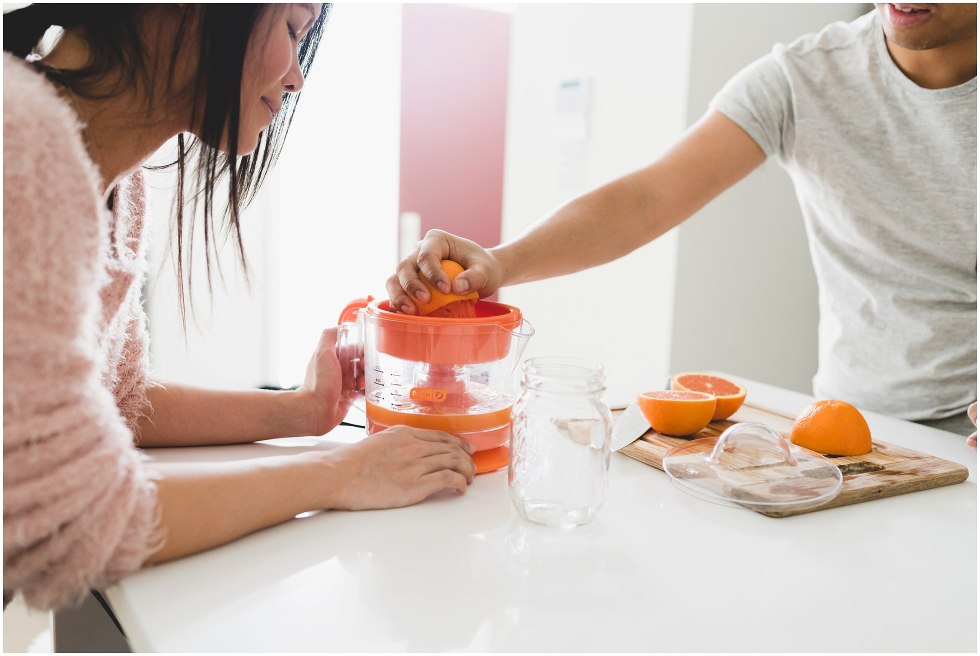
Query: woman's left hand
{"x": 322, "y": 395}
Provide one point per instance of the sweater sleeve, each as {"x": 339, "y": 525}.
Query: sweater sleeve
{"x": 131, "y": 374}
{"x": 79, "y": 505}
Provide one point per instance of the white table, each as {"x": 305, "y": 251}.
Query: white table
{"x": 657, "y": 571}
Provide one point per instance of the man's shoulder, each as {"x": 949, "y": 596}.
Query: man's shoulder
{"x": 839, "y": 39}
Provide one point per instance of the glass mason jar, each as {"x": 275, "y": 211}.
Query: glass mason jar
{"x": 559, "y": 455}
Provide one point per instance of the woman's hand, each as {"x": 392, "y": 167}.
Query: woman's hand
{"x": 482, "y": 274}
{"x": 398, "y": 467}
{"x": 324, "y": 401}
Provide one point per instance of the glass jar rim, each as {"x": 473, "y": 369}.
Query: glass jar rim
{"x": 572, "y": 373}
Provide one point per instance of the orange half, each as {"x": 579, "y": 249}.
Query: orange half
{"x": 677, "y": 413}
{"x": 437, "y": 299}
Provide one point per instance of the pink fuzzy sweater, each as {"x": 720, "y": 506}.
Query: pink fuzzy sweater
{"x": 79, "y": 505}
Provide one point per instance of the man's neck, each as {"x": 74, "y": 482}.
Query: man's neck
{"x": 937, "y": 68}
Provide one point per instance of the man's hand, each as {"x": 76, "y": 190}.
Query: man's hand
{"x": 482, "y": 272}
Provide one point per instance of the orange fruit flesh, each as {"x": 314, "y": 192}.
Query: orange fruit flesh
{"x": 730, "y": 394}
{"x": 465, "y": 304}
{"x": 677, "y": 412}
{"x": 464, "y": 309}
{"x": 833, "y": 428}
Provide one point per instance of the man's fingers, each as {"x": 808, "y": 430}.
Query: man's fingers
{"x": 475, "y": 277}
{"x": 433, "y": 249}
{"x": 430, "y": 267}
{"x": 408, "y": 276}
{"x": 398, "y": 297}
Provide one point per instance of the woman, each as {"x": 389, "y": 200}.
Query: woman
{"x": 81, "y": 508}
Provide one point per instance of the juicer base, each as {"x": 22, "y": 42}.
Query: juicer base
{"x": 491, "y": 460}
{"x": 486, "y": 459}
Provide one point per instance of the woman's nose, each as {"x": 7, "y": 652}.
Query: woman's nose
{"x": 294, "y": 81}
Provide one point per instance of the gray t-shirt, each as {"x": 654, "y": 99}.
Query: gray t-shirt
{"x": 886, "y": 176}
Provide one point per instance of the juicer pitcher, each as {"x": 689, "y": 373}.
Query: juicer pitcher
{"x": 452, "y": 374}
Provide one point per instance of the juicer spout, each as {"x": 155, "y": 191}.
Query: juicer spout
{"x": 520, "y": 337}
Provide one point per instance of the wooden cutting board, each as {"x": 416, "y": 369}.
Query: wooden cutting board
{"x": 885, "y": 472}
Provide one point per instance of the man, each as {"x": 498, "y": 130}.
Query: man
{"x": 875, "y": 121}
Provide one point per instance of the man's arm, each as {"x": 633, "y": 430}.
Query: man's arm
{"x": 623, "y": 215}
{"x": 597, "y": 227}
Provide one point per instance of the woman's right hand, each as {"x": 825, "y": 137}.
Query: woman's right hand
{"x": 482, "y": 273}
{"x": 400, "y": 466}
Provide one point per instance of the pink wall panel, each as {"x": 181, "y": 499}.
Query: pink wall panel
{"x": 454, "y": 109}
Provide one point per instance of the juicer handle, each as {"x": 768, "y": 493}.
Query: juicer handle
{"x": 350, "y": 351}
{"x": 726, "y": 441}
{"x": 350, "y": 354}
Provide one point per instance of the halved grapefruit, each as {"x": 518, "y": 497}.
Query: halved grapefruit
{"x": 730, "y": 394}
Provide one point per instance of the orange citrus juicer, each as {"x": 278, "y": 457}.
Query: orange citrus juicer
{"x": 454, "y": 374}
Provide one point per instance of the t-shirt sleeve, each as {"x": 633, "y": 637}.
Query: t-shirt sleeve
{"x": 759, "y": 100}
{"x": 79, "y": 505}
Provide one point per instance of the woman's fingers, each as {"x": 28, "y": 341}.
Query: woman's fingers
{"x": 444, "y": 479}
{"x": 401, "y": 466}
{"x": 450, "y": 460}
{"x": 442, "y": 436}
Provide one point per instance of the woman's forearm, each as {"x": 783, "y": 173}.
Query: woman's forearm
{"x": 180, "y": 415}
{"x": 208, "y": 504}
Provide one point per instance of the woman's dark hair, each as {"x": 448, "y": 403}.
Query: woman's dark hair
{"x": 113, "y": 34}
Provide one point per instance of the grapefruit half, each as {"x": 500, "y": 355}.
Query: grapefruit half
{"x": 730, "y": 394}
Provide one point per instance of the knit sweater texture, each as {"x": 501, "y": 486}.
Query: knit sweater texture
{"x": 79, "y": 502}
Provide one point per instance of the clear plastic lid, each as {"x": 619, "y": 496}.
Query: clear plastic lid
{"x": 753, "y": 466}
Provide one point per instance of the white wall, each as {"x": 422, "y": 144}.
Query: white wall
{"x": 746, "y": 299}
{"x": 224, "y": 341}
{"x": 338, "y": 205}
{"x": 636, "y": 59}
{"x": 322, "y": 232}
{"x": 324, "y": 229}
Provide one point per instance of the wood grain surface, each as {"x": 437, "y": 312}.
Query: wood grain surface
{"x": 885, "y": 472}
